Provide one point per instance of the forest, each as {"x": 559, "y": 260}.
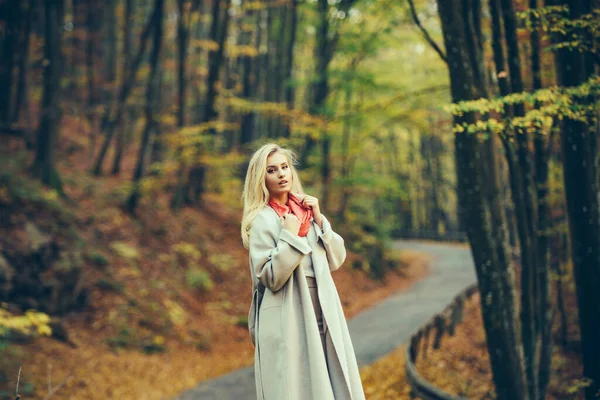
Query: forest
{"x": 126, "y": 128}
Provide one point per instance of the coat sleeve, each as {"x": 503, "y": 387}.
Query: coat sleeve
{"x": 273, "y": 259}
{"x": 334, "y": 245}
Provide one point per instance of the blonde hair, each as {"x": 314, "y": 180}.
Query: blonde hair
{"x": 256, "y": 195}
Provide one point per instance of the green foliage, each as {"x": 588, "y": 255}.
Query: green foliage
{"x": 125, "y": 250}
{"x": 575, "y": 103}
{"x": 30, "y": 325}
{"x": 579, "y": 34}
{"x": 577, "y": 385}
{"x": 199, "y": 278}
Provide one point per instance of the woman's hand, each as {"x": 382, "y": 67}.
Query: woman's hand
{"x": 290, "y": 223}
{"x": 313, "y": 202}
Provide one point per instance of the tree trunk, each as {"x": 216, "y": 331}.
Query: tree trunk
{"x": 21, "y": 99}
{"x": 183, "y": 35}
{"x": 8, "y": 47}
{"x": 110, "y": 58}
{"x": 465, "y": 64}
{"x": 270, "y": 68}
{"x": 289, "y": 66}
{"x": 544, "y": 295}
{"x": 91, "y": 44}
{"x": 249, "y": 83}
{"x": 157, "y": 149}
{"x": 152, "y": 107}
{"x": 320, "y": 91}
{"x": 44, "y": 165}
{"x": 218, "y": 33}
{"x": 345, "y": 169}
{"x": 579, "y": 149}
{"x": 127, "y": 47}
{"x": 320, "y": 87}
{"x": 558, "y": 248}
{"x": 528, "y": 241}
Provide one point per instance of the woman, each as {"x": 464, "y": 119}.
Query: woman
{"x": 303, "y": 348}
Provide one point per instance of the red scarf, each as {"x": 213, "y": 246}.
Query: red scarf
{"x": 295, "y": 207}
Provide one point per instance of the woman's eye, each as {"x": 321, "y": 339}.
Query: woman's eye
{"x": 270, "y": 171}
{"x": 285, "y": 167}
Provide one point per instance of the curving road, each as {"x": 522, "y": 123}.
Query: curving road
{"x": 379, "y": 330}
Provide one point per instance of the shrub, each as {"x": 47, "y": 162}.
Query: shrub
{"x": 223, "y": 262}
{"x": 114, "y": 286}
{"x": 125, "y": 250}
{"x": 97, "y": 258}
{"x": 199, "y": 278}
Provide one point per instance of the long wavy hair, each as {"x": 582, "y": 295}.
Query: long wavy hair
{"x": 256, "y": 195}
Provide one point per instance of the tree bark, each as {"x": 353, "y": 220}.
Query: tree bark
{"x": 44, "y": 165}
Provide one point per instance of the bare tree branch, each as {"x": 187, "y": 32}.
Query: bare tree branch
{"x": 53, "y": 390}
{"x": 413, "y": 13}
{"x": 18, "y": 379}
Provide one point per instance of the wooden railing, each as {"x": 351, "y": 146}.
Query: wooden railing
{"x": 443, "y": 323}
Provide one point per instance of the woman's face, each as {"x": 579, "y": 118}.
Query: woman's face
{"x": 279, "y": 175}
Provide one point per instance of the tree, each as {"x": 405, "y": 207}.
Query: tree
{"x": 124, "y": 92}
{"x": 152, "y": 107}
{"x": 21, "y": 98}
{"x": 327, "y": 39}
{"x": 579, "y": 143}
{"x": 127, "y": 47}
{"x": 9, "y": 19}
{"x": 519, "y": 162}
{"x": 44, "y": 165}
{"x": 479, "y": 202}
{"x": 194, "y": 188}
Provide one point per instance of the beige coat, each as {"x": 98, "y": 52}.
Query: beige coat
{"x": 289, "y": 360}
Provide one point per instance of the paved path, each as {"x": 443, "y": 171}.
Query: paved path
{"x": 381, "y": 329}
